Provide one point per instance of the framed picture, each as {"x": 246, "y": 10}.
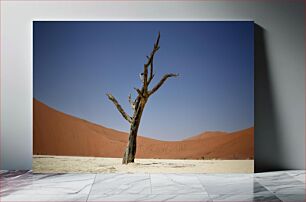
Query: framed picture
{"x": 143, "y": 96}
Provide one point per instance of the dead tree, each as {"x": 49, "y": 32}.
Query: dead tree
{"x": 139, "y": 103}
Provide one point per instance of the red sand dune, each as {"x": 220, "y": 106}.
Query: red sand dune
{"x": 56, "y": 133}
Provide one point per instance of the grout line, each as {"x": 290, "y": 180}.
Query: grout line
{"x": 267, "y": 188}
{"x": 91, "y": 187}
{"x": 270, "y": 191}
{"x": 209, "y": 197}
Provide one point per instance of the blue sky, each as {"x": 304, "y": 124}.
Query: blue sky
{"x": 76, "y": 63}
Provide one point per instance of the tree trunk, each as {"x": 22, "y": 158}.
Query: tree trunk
{"x": 130, "y": 151}
{"x": 139, "y": 103}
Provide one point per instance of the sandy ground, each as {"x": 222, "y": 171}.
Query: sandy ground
{"x": 63, "y": 164}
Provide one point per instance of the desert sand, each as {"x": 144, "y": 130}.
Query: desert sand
{"x": 63, "y": 164}
{"x": 56, "y": 133}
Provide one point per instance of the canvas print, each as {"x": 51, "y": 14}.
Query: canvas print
{"x": 143, "y": 96}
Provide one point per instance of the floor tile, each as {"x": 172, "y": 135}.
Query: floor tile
{"x": 287, "y": 189}
{"x": 42, "y": 198}
{"x": 287, "y": 186}
{"x": 47, "y": 184}
{"x": 150, "y": 197}
{"x": 14, "y": 175}
{"x": 121, "y": 184}
{"x": 276, "y": 175}
{"x": 184, "y": 197}
{"x": 245, "y": 198}
{"x": 291, "y": 197}
{"x": 220, "y": 184}
{"x": 175, "y": 184}
{"x": 14, "y": 180}
{"x": 298, "y": 175}
{"x": 282, "y": 183}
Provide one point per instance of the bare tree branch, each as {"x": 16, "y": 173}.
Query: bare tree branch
{"x": 140, "y": 92}
{"x": 161, "y": 82}
{"x": 151, "y": 71}
{"x": 151, "y": 78}
{"x": 120, "y": 109}
{"x": 150, "y": 63}
{"x": 145, "y": 76}
{"x": 132, "y": 103}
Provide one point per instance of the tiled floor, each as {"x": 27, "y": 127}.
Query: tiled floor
{"x": 272, "y": 186}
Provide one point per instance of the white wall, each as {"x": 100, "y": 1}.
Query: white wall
{"x": 279, "y": 69}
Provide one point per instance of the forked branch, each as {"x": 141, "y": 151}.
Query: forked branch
{"x": 161, "y": 82}
{"x": 150, "y": 64}
{"x": 140, "y": 92}
{"x": 120, "y": 109}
